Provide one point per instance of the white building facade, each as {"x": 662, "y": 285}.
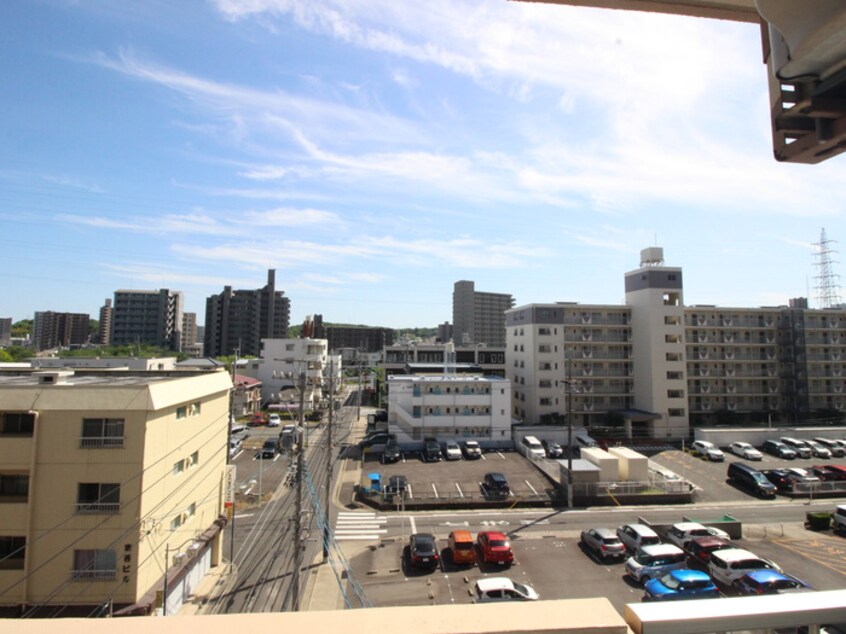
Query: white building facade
{"x": 450, "y": 407}
{"x": 281, "y": 364}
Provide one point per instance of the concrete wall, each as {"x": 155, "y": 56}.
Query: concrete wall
{"x": 634, "y": 467}
{"x": 608, "y": 465}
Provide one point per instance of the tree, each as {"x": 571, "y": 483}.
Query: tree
{"x": 22, "y": 328}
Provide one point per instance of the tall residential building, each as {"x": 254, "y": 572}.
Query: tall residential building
{"x": 5, "y": 331}
{"x": 104, "y": 332}
{"x": 239, "y": 320}
{"x": 657, "y": 367}
{"x": 109, "y": 478}
{"x": 53, "y": 330}
{"x": 445, "y": 332}
{"x": 280, "y": 366}
{"x": 478, "y": 317}
{"x": 148, "y": 317}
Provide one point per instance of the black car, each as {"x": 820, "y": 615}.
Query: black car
{"x": 781, "y": 478}
{"x": 391, "y": 452}
{"x": 269, "y": 449}
{"x": 423, "y": 551}
{"x": 552, "y": 448}
{"x": 396, "y": 484}
{"x": 495, "y": 485}
{"x": 380, "y": 438}
{"x": 431, "y": 450}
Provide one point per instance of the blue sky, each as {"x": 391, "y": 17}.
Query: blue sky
{"x": 376, "y": 152}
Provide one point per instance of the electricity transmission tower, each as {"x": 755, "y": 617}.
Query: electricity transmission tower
{"x": 828, "y": 285}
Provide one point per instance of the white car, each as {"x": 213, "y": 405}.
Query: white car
{"x": 503, "y": 589}
{"x": 745, "y": 450}
{"x": 683, "y": 532}
{"x": 708, "y": 450}
{"x": 635, "y": 536}
{"x": 274, "y": 420}
{"x": 452, "y": 451}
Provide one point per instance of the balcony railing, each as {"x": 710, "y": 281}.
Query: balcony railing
{"x": 101, "y": 441}
{"x": 98, "y": 507}
{"x": 94, "y": 574}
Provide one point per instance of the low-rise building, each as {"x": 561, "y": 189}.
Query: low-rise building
{"x": 108, "y": 479}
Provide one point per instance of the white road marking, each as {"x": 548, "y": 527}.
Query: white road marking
{"x": 435, "y": 490}
{"x": 529, "y": 484}
{"x": 459, "y": 490}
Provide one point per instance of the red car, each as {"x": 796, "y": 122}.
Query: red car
{"x": 257, "y": 419}
{"x": 494, "y": 548}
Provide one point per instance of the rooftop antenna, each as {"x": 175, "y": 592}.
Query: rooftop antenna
{"x": 828, "y": 285}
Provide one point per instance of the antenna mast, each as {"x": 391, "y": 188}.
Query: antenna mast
{"x": 828, "y": 285}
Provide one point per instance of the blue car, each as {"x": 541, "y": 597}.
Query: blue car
{"x": 767, "y": 581}
{"x": 681, "y": 584}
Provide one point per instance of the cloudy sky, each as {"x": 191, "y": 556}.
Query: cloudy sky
{"x": 375, "y": 152}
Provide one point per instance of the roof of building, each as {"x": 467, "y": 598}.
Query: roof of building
{"x": 246, "y": 381}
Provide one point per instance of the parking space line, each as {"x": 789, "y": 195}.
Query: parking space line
{"x": 460, "y": 493}
{"x": 435, "y": 490}
{"x": 529, "y": 484}
{"x": 408, "y": 492}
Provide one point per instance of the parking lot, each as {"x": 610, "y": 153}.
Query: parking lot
{"x": 557, "y": 567}
{"x": 460, "y": 480}
{"x": 256, "y": 477}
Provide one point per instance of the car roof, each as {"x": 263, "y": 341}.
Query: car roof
{"x": 423, "y": 537}
{"x": 661, "y": 549}
{"x": 605, "y": 532}
{"x": 687, "y": 526}
{"x": 687, "y": 574}
{"x": 710, "y": 540}
{"x": 462, "y": 535}
{"x": 641, "y": 529}
{"x": 486, "y": 584}
{"x": 494, "y": 475}
{"x": 734, "y": 554}
{"x": 762, "y": 575}
{"x": 493, "y": 534}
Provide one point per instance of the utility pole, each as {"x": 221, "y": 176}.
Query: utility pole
{"x": 298, "y": 506}
{"x": 568, "y": 383}
{"x": 331, "y": 459}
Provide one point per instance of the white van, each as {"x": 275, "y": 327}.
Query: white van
{"x": 653, "y": 562}
{"x": 729, "y": 565}
{"x": 532, "y": 446}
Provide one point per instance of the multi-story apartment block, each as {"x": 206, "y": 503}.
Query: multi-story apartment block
{"x": 104, "y": 330}
{"x": 361, "y": 338}
{"x": 478, "y": 317}
{"x": 108, "y": 479}
{"x": 148, "y": 317}
{"x": 239, "y": 320}
{"x": 445, "y": 332}
{"x": 53, "y": 330}
{"x": 246, "y": 397}
{"x": 658, "y": 367}
{"x": 281, "y": 365}
{"x": 489, "y": 361}
{"x": 190, "y": 344}
{"x": 5, "y": 331}
{"x": 449, "y": 407}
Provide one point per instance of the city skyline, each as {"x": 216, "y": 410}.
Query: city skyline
{"x": 374, "y": 154}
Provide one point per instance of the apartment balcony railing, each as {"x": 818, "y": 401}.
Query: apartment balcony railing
{"x": 111, "y": 442}
{"x": 97, "y": 507}
{"x": 87, "y": 575}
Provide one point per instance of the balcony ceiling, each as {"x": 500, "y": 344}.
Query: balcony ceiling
{"x": 736, "y": 10}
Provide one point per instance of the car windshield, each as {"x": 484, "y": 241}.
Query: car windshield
{"x": 643, "y": 559}
{"x": 782, "y": 584}
{"x": 670, "y": 582}
{"x": 759, "y": 477}
{"x": 611, "y": 541}
{"x": 519, "y": 587}
{"x": 499, "y": 543}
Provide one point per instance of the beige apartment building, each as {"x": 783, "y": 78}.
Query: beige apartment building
{"x": 657, "y": 367}
{"x": 109, "y": 479}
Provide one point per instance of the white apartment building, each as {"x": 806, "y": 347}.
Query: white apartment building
{"x": 281, "y": 364}
{"x": 656, "y": 367}
{"x": 450, "y": 407}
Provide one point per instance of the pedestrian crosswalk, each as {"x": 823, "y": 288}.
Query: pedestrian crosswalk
{"x": 359, "y": 526}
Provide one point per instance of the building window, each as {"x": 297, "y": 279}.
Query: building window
{"x": 194, "y": 409}
{"x": 676, "y": 412}
{"x": 176, "y": 522}
{"x": 12, "y": 552}
{"x": 98, "y": 497}
{"x": 181, "y": 412}
{"x": 191, "y": 511}
{"x": 178, "y": 467}
{"x": 194, "y": 459}
{"x": 17, "y": 423}
{"x": 14, "y": 487}
{"x": 674, "y": 376}
{"x": 289, "y": 347}
{"x": 102, "y": 432}
{"x": 675, "y": 394}
{"x": 545, "y": 401}
{"x": 94, "y": 564}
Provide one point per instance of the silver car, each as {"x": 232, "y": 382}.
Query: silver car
{"x": 604, "y": 543}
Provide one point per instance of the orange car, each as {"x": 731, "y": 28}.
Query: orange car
{"x": 461, "y": 547}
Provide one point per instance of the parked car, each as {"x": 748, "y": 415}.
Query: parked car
{"x": 652, "y": 562}
{"x": 431, "y": 450}
{"x": 269, "y": 449}
{"x": 452, "y": 451}
{"x": 495, "y": 485}
{"x": 799, "y": 446}
{"x": 707, "y": 450}
{"x": 838, "y": 519}
{"x": 257, "y": 419}
{"x": 727, "y": 566}
{"x": 835, "y": 471}
{"x": 604, "y": 543}
{"x": 769, "y": 582}
{"x": 751, "y": 479}
{"x": 784, "y": 480}
{"x": 699, "y": 549}
{"x": 779, "y": 449}
{"x": 235, "y": 446}
{"x": 745, "y": 450}
{"x": 681, "y": 584}
{"x": 635, "y": 536}
{"x": 392, "y": 452}
{"x": 503, "y": 589}
{"x": 494, "y": 547}
{"x": 805, "y": 474}
{"x": 683, "y": 532}
{"x": 423, "y": 551}
{"x": 461, "y": 547}
{"x": 375, "y": 440}
{"x": 553, "y": 449}
{"x": 818, "y": 450}
{"x": 397, "y": 484}
{"x": 836, "y": 448}
{"x": 274, "y": 420}
{"x": 471, "y": 449}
